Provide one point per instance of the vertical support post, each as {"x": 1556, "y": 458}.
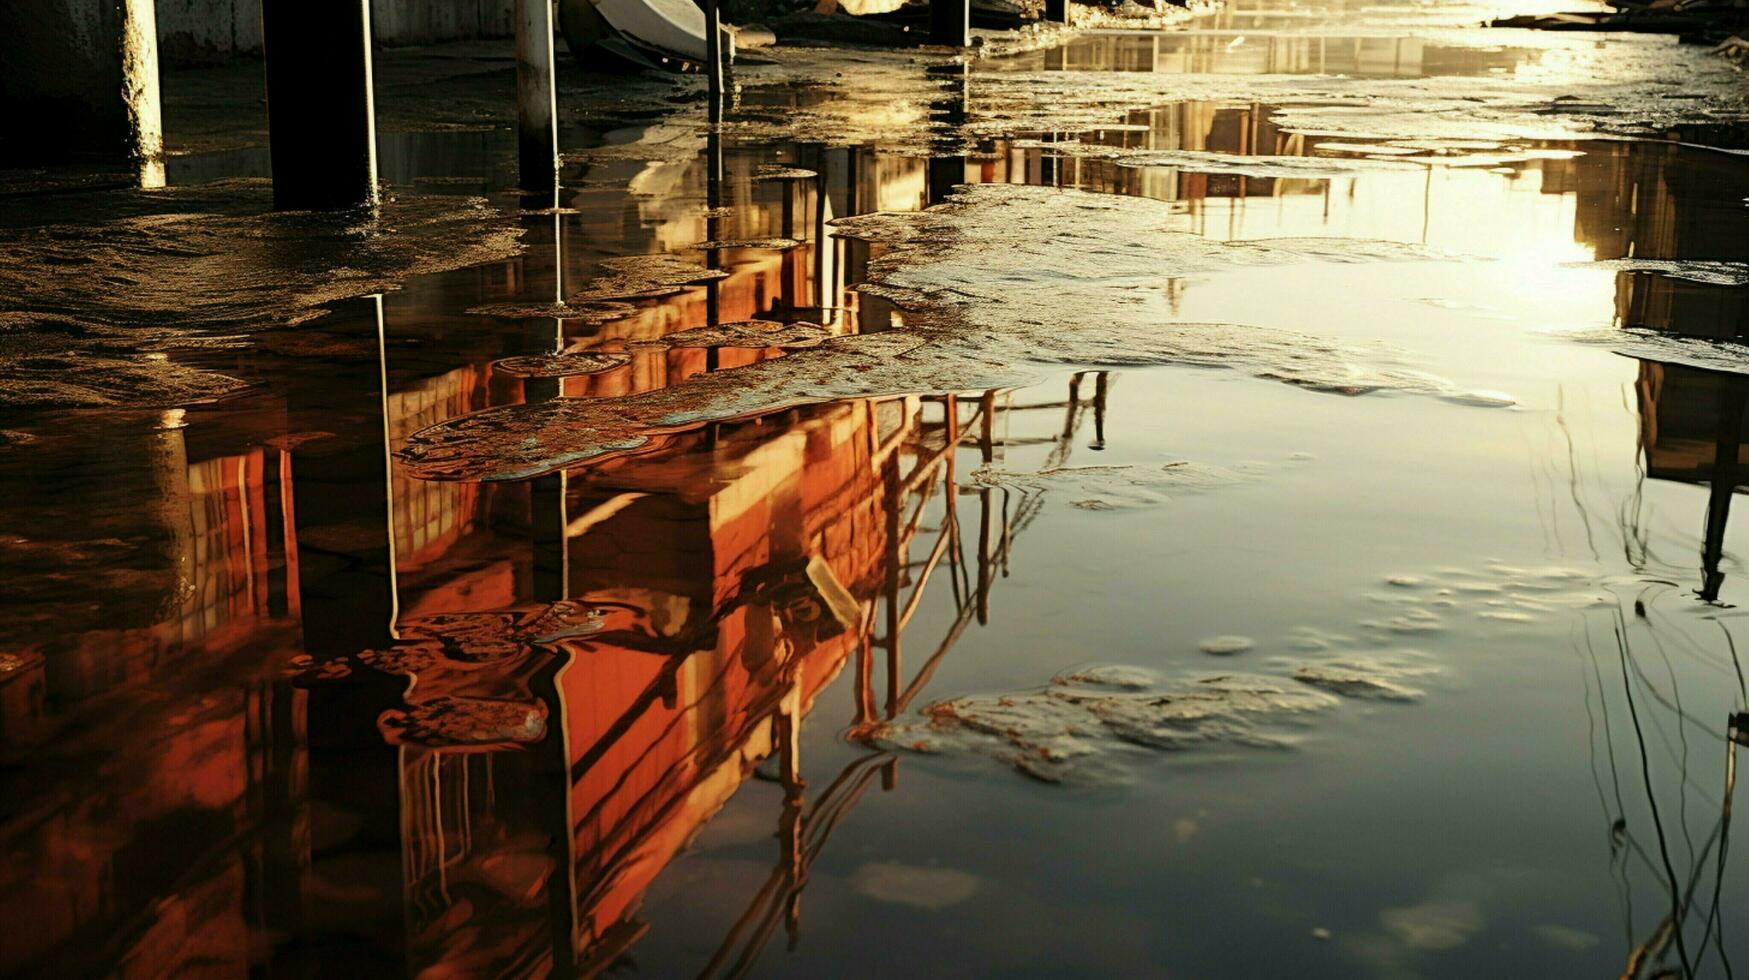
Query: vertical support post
{"x": 537, "y": 105}
{"x": 321, "y": 111}
{"x": 1057, "y": 11}
{"x": 139, "y": 85}
{"x": 950, "y": 22}
{"x": 79, "y": 80}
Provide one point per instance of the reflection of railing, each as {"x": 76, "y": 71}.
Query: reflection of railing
{"x": 1645, "y": 701}
{"x": 804, "y": 828}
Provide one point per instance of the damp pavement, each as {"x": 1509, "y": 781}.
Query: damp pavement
{"x": 1247, "y": 500}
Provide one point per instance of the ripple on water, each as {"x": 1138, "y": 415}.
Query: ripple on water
{"x": 998, "y": 283}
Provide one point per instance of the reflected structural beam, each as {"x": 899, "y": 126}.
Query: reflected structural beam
{"x": 321, "y": 114}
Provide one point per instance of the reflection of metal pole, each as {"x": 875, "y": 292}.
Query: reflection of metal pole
{"x": 713, "y": 258}
{"x": 321, "y": 114}
{"x": 1723, "y": 485}
{"x": 388, "y": 467}
{"x": 537, "y": 107}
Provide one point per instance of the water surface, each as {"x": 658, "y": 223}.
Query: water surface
{"x": 876, "y": 636}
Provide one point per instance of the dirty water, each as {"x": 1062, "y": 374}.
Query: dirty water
{"x": 1240, "y": 501}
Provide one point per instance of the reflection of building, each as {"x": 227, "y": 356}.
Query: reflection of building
{"x": 1240, "y": 52}
{"x": 1658, "y": 201}
{"x": 188, "y": 803}
{"x": 1242, "y": 130}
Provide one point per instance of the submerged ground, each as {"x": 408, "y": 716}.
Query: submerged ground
{"x": 1245, "y": 501}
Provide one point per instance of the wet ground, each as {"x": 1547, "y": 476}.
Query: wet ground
{"x": 1269, "y": 516}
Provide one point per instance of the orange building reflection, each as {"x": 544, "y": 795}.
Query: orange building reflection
{"x": 325, "y": 718}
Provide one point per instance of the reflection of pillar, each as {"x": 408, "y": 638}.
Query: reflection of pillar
{"x": 280, "y": 867}
{"x": 787, "y": 729}
{"x": 895, "y": 563}
{"x": 948, "y": 169}
{"x": 320, "y": 112}
{"x": 79, "y": 78}
{"x": 1099, "y": 385}
{"x": 174, "y": 502}
{"x": 713, "y": 257}
{"x": 1723, "y": 484}
{"x": 987, "y": 449}
{"x": 1057, "y": 12}
{"x": 822, "y": 211}
{"x": 548, "y": 522}
{"x": 341, "y": 492}
{"x": 537, "y": 115}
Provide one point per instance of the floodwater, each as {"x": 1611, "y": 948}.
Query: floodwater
{"x": 1269, "y": 516}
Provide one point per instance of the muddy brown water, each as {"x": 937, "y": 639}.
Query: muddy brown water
{"x": 1270, "y": 516}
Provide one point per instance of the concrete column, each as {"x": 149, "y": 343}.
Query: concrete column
{"x": 79, "y": 80}
{"x": 713, "y": 53}
{"x": 321, "y": 112}
{"x": 950, "y": 22}
{"x": 537, "y": 107}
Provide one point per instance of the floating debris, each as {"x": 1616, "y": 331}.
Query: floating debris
{"x": 1077, "y": 729}
{"x": 465, "y": 721}
{"x": 462, "y": 639}
{"x": 771, "y": 171}
{"x": 1113, "y": 487}
{"x": 918, "y": 887}
{"x": 533, "y": 311}
{"x": 645, "y": 277}
{"x": 1378, "y": 677}
{"x": 755, "y": 334}
{"x": 1710, "y": 272}
{"x": 566, "y": 365}
{"x": 1726, "y": 356}
{"x": 1109, "y": 675}
{"x": 1226, "y": 646}
{"x": 774, "y": 244}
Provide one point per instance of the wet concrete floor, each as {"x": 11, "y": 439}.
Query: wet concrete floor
{"x": 1269, "y": 515}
